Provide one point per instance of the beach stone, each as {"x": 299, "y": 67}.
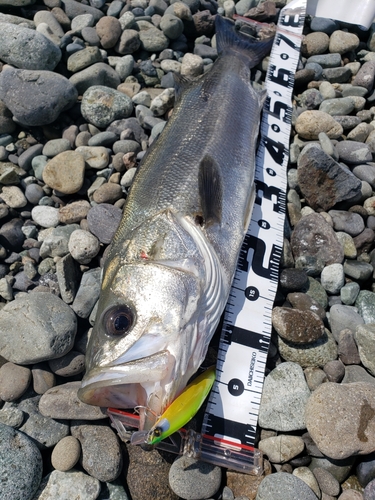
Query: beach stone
{"x": 45, "y": 216}
{"x": 27, "y": 49}
{"x": 348, "y": 245}
{"x": 74, "y": 212}
{"x": 171, "y": 26}
{"x": 105, "y": 139}
{"x": 311, "y": 123}
{"x": 14, "y": 381}
{"x": 347, "y": 348}
{"x": 347, "y": 122}
{"x": 333, "y": 278}
{"x": 304, "y": 302}
{"x": 360, "y": 132}
{"x": 66, "y": 453}
{"x": 68, "y": 485}
{"x": 65, "y": 172}
{"x": 20, "y": 463}
{"x": 52, "y": 93}
{"x": 153, "y": 39}
{"x": 284, "y": 396}
{"x": 98, "y": 74}
{"x": 68, "y": 277}
{"x": 129, "y": 42}
{"x": 313, "y": 236}
{"x": 315, "y": 43}
{"x": 83, "y": 59}
{"x": 342, "y": 317}
{"x": 340, "y": 419}
{"x": 71, "y": 364}
{"x": 353, "y": 153}
{"x": 337, "y": 75}
{"x": 365, "y": 470}
{"x": 102, "y": 105}
{"x": 328, "y": 484}
{"x": 326, "y": 60}
{"x": 314, "y": 377}
{"x": 369, "y": 491}
{"x": 307, "y": 477}
{"x": 43, "y": 378}
{"x": 11, "y": 235}
{"x": 11, "y": 416}
{"x": 55, "y": 243}
{"x": 191, "y": 65}
{"x": 13, "y": 196}
{"x": 323, "y": 181}
{"x": 365, "y": 76}
{"x": 88, "y": 293}
{"x": 190, "y": 478}
{"x": 297, "y": 326}
{"x": 339, "y": 106}
{"x": 365, "y": 340}
{"x": 62, "y": 402}
{"x": 96, "y": 157}
{"x": 355, "y": 373}
{"x": 348, "y": 222}
{"x": 366, "y": 305}
{"x": 365, "y": 173}
{"x": 360, "y": 271}
{"x": 109, "y": 31}
{"x": 369, "y": 205}
{"x": 73, "y": 9}
{"x": 281, "y": 449}
{"x": 285, "y": 486}
{"x": 103, "y": 221}
{"x": 108, "y": 193}
{"x": 342, "y": 41}
{"x": 55, "y": 146}
{"x": 101, "y": 453}
{"x": 316, "y": 353}
{"x": 34, "y": 329}
{"x": 83, "y": 246}
{"x": 335, "y": 370}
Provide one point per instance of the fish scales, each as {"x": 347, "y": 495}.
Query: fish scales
{"x": 169, "y": 270}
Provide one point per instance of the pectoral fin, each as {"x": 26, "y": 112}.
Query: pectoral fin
{"x": 210, "y": 191}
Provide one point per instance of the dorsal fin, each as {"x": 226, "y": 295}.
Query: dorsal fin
{"x": 210, "y": 191}
{"x": 181, "y": 83}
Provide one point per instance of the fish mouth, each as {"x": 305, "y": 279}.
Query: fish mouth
{"x": 137, "y": 383}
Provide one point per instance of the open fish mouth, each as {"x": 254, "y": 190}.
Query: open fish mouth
{"x": 128, "y": 385}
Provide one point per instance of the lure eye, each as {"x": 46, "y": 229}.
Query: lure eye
{"x": 118, "y": 320}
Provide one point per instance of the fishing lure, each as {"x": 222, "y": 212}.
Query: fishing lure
{"x": 180, "y": 411}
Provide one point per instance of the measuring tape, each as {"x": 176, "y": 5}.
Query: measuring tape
{"x": 232, "y": 411}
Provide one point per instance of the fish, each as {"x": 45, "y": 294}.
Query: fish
{"x": 181, "y": 410}
{"x": 169, "y": 269}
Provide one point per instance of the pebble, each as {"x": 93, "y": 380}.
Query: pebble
{"x": 366, "y": 305}
{"x": 43, "y": 378}
{"x": 13, "y": 197}
{"x": 285, "y": 486}
{"x": 297, "y": 326}
{"x": 45, "y": 216}
{"x": 311, "y": 123}
{"x": 11, "y": 416}
{"x": 353, "y": 153}
{"x": 340, "y": 419}
{"x": 101, "y": 454}
{"x": 14, "y": 381}
{"x": 102, "y": 105}
{"x": 108, "y": 193}
{"x": 71, "y": 484}
{"x": 281, "y": 408}
{"x": 20, "y": 463}
{"x": 333, "y": 278}
{"x": 50, "y": 325}
{"x": 103, "y": 221}
{"x": 190, "y": 479}
{"x": 365, "y": 470}
{"x": 71, "y": 364}
{"x": 307, "y": 477}
{"x": 328, "y": 484}
{"x": 360, "y": 271}
{"x": 66, "y": 454}
{"x": 280, "y": 449}
{"x": 55, "y": 242}
{"x": 96, "y": 157}
{"x": 62, "y": 402}
{"x": 365, "y": 340}
{"x": 88, "y": 293}
{"x": 343, "y": 317}
{"x": 348, "y": 222}
{"x": 65, "y": 172}
{"x": 83, "y": 246}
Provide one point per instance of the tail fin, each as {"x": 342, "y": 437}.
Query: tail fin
{"x": 229, "y": 40}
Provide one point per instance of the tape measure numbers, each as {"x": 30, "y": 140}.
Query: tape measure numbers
{"x": 232, "y": 411}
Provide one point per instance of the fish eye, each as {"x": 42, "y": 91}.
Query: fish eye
{"x": 118, "y": 320}
{"x": 157, "y": 431}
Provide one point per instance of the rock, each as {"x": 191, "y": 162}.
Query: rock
{"x": 365, "y": 340}
{"x": 65, "y": 172}
{"x": 66, "y": 454}
{"x": 45, "y": 216}
{"x": 342, "y": 317}
{"x": 327, "y": 482}
{"x": 354, "y": 373}
{"x": 11, "y": 235}
{"x": 316, "y": 353}
{"x": 311, "y": 123}
{"x": 313, "y": 236}
{"x": 96, "y": 157}
{"x": 103, "y": 221}
{"x": 333, "y": 278}
{"x": 347, "y": 348}
{"x": 192, "y": 479}
{"x": 83, "y": 59}
{"x": 307, "y": 477}
{"x": 102, "y": 105}
{"x": 153, "y": 39}
{"x": 88, "y": 293}
{"x": 97, "y": 74}
{"x": 20, "y": 463}
{"x": 11, "y": 416}
{"x": 71, "y": 364}
{"x": 284, "y": 396}
{"x": 283, "y": 448}
{"x": 109, "y": 31}
{"x": 339, "y": 106}
{"x": 323, "y": 181}
{"x": 353, "y": 153}
{"x": 14, "y": 381}
{"x": 27, "y": 49}
{"x": 314, "y": 43}
{"x": 340, "y": 419}
{"x": 68, "y": 277}
{"x": 55, "y": 243}
{"x": 13, "y": 197}
{"x": 304, "y": 302}
{"x": 62, "y": 402}
{"x": 52, "y": 93}
{"x": 108, "y": 193}
{"x": 366, "y": 306}
{"x": 71, "y": 484}
{"x": 74, "y": 212}
{"x": 365, "y": 76}
{"x": 192, "y": 65}
{"x": 83, "y": 246}
{"x": 360, "y": 271}
{"x": 297, "y": 326}
{"x": 43, "y": 379}
{"x": 285, "y": 486}
{"x": 34, "y": 329}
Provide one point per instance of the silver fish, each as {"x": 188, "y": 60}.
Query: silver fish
{"x": 169, "y": 270}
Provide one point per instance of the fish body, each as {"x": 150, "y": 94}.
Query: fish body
{"x": 168, "y": 273}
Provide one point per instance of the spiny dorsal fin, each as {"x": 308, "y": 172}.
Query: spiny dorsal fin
{"x": 210, "y": 190}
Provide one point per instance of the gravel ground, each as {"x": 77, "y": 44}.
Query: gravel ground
{"x": 85, "y": 88}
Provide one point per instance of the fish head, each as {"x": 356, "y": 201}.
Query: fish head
{"x": 145, "y": 342}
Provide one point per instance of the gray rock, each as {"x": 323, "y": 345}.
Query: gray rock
{"x": 191, "y": 479}
{"x": 97, "y": 74}
{"x": 284, "y": 396}
{"x": 171, "y": 26}
{"x": 20, "y": 463}
{"x": 297, "y": 326}
{"x": 103, "y": 221}
{"x": 281, "y": 449}
{"x": 365, "y": 173}
{"x": 55, "y": 244}
{"x": 323, "y": 181}
{"x": 358, "y": 270}
{"x": 69, "y": 365}
{"x": 71, "y": 484}
{"x": 333, "y": 278}
{"x": 365, "y": 76}
{"x": 328, "y": 484}
{"x": 83, "y": 246}
{"x": 353, "y": 153}
{"x": 366, "y": 470}
{"x": 33, "y": 329}
{"x": 84, "y": 58}
{"x": 101, "y": 454}
{"x": 348, "y": 351}
{"x": 348, "y": 222}
{"x": 82, "y": 21}
{"x": 337, "y": 75}
{"x": 365, "y": 339}
{"x": 14, "y": 381}
{"x": 51, "y": 94}
{"x": 45, "y": 216}
{"x": 285, "y": 486}
{"x": 43, "y": 379}
{"x": 88, "y": 293}
{"x": 66, "y": 453}
{"x": 105, "y": 139}
{"x": 44, "y": 431}
{"x": 25, "y": 48}
{"x": 326, "y": 60}
{"x": 74, "y": 9}
{"x": 102, "y": 105}
{"x": 153, "y": 39}
{"x": 339, "y": 106}
{"x": 68, "y": 277}
{"x": 366, "y": 306}
{"x": 340, "y": 419}
{"x": 62, "y": 402}
{"x": 355, "y": 373}
{"x": 342, "y": 317}
{"x": 129, "y": 41}
{"x": 12, "y": 416}
{"x": 339, "y": 469}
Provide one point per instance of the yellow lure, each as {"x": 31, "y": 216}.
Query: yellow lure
{"x": 183, "y": 408}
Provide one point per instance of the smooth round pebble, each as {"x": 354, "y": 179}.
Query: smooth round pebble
{"x": 71, "y": 364}
{"x": 66, "y": 453}
{"x": 14, "y": 381}
{"x": 65, "y": 172}
{"x": 285, "y": 486}
{"x": 45, "y": 216}
{"x": 192, "y": 479}
{"x": 83, "y": 246}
